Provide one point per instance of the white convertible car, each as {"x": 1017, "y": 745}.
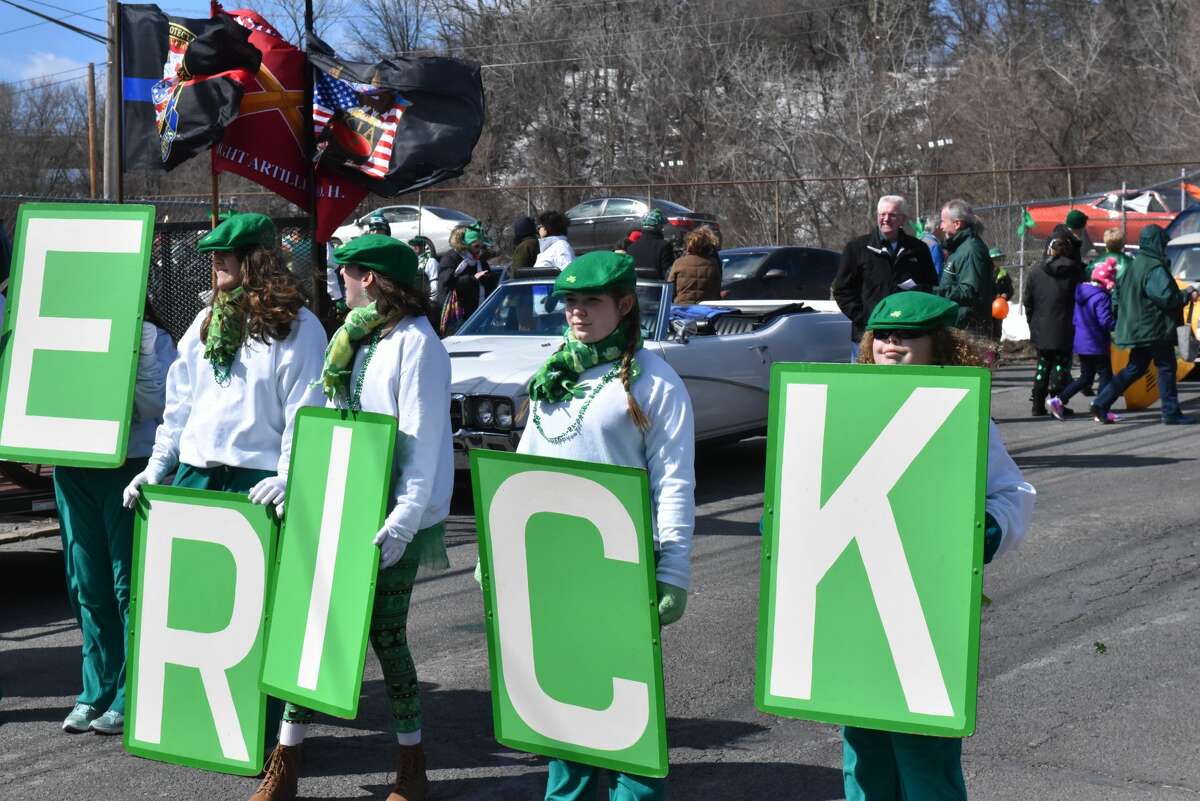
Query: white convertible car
{"x": 725, "y": 362}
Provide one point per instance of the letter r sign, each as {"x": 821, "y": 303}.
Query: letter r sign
{"x": 568, "y": 580}
{"x": 872, "y": 546}
{"x": 71, "y": 332}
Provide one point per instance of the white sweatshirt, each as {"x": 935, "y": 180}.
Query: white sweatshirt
{"x": 408, "y": 378}
{"x": 247, "y": 423}
{"x": 609, "y": 436}
{"x": 1010, "y": 498}
{"x": 555, "y": 251}
{"x": 156, "y": 353}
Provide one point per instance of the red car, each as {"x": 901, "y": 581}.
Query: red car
{"x": 1104, "y": 212}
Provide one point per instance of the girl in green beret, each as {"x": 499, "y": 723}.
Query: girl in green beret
{"x": 917, "y": 328}
{"x": 604, "y": 398}
{"x": 386, "y": 358}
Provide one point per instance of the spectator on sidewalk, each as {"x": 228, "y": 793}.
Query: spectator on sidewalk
{"x": 652, "y": 255}
{"x": 556, "y": 251}
{"x": 1114, "y": 253}
{"x": 1049, "y": 302}
{"x": 881, "y": 263}
{"x": 1094, "y": 321}
{"x": 967, "y": 275}
{"x": 1148, "y": 304}
{"x": 526, "y": 246}
{"x": 697, "y": 273}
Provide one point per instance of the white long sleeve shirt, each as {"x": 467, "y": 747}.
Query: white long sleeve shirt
{"x": 408, "y": 378}
{"x": 247, "y": 423}
{"x": 1010, "y": 498}
{"x": 155, "y": 356}
{"x": 609, "y": 436}
{"x": 555, "y": 251}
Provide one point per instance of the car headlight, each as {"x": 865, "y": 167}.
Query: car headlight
{"x": 504, "y": 414}
{"x": 484, "y": 413}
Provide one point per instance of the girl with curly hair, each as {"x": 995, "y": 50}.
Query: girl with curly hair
{"x": 918, "y": 328}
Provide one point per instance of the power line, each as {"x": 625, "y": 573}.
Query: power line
{"x": 39, "y": 24}
{"x": 46, "y": 75}
{"x": 82, "y": 32}
{"x": 68, "y": 10}
{"x": 43, "y": 86}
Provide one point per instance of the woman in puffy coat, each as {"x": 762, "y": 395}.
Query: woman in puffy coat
{"x": 464, "y": 277}
{"x": 697, "y": 273}
{"x": 1049, "y": 300}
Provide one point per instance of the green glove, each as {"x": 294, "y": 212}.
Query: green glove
{"x": 992, "y": 535}
{"x": 672, "y": 601}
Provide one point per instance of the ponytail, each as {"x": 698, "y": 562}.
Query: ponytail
{"x": 632, "y": 324}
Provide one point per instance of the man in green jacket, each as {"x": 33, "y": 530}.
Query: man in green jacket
{"x": 1147, "y": 303}
{"x": 967, "y": 278}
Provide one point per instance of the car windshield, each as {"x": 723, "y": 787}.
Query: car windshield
{"x": 1185, "y": 261}
{"x": 449, "y": 214}
{"x": 1184, "y": 224}
{"x": 529, "y": 310}
{"x": 736, "y": 266}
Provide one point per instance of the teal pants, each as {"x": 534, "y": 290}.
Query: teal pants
{"x": 571, "y": 781}
{"x": 233, "y": 479}
{"x": 97, "y": 539}
{"x": 888, "y": 766}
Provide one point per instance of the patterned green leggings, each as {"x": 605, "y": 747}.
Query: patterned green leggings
{"x": 389, "y": 640}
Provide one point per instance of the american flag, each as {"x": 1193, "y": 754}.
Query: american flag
{"x": 333, "y": 95}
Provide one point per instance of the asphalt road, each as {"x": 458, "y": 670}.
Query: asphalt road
{"x": 1089, "y": 671}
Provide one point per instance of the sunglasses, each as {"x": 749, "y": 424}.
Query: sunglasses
{"x": 884, "y": 334}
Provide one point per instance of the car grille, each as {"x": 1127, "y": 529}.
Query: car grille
{"x": 457, "y": 412}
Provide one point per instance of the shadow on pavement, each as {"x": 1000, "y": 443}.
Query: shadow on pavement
{"x": 33, "y": 590}
{"x": 1095, "y": 460}
{"x": 42, "y": 673}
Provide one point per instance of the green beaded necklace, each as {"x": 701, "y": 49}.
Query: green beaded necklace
{"x": 576, "y": 424}
{"x": 356, "y": 395}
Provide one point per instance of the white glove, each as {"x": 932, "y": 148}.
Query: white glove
{"x": 271, "y": 490}
{"x": 391, "y": 547}
{"x": 153, "y": 474}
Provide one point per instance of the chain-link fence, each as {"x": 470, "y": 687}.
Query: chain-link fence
{"x": 181, "y": 277}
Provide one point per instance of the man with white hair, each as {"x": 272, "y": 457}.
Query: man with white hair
{"x": 967, "y": 277}
{"x": 885, "y": 261}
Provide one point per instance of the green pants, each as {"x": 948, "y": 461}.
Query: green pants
{"x": 389, "y": 635}
{"x": 97, "y": 538}
{"x": 233, "y": 479}
{"x": 571, "y": 781}
{"x": 887, "y": 766}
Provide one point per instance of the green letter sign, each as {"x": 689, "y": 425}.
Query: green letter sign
{"x": 872, "y": 547}
{"x": 568, "y": 575}
{"x": 71, "y": 332}
{"x": 338, "y": 488}
{"x": 195, "y": 619}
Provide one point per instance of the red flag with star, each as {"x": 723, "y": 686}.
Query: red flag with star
{"x": 266, "y": 141}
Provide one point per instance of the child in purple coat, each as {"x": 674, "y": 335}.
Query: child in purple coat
{"x": 1093, "y": 321}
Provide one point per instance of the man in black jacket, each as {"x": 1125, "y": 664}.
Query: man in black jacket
{"x": 883, "y": 262}
{"x": 652, "y": 254}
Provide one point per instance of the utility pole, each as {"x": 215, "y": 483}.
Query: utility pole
{"x": 91, "y": 129}
{"x": 112, "y": 110}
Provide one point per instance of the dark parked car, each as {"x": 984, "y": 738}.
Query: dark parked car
{"x": 785, "y": 273}
{"x": 600, "y": 223}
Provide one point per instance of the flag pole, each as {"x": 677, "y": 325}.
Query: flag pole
{"x": 215, "y": 182}
{"x": 320, "y": 296}
{"x": 112, "y": 108}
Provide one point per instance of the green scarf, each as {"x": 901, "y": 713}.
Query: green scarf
{"x": 558, "y": 378}
{"x": 225, "y": 330}
{"x": 339, "y": 355}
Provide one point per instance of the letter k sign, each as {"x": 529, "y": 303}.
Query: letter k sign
{"x": 812, "y": 536}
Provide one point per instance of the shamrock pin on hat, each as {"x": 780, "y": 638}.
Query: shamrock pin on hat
{"x": 239, "y": 231}
{"x": 913, "y": 311}
{"x": 597, "y": 271}
{"x": 382, "y": 254}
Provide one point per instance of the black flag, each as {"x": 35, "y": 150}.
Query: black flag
{"x": 398, "y": 125}
{"x": 176, "y": 102}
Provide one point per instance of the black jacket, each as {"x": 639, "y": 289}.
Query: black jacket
{"x": 1050, "y": 303}
{"x": 652, "y": 253}
{"x": 869, "y": 272}
{"x": 465, "y": 285}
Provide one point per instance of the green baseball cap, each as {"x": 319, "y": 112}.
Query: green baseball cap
{"x": 654, "y": 220}
{"x": 239, "y": 231}
{"x": 995, "y": 253}
{"x": 597, "y": 271}
{"x": 474, "y": 233}
{"x": 382, "y": 254}
{"x": 1076, "y": 219}
{"x": 913, "y": 311}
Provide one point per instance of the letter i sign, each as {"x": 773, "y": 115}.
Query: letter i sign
{"x": 873, "y": 546}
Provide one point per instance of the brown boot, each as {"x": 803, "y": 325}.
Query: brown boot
{"x": 279, "y": 775}
{"x": 411, "y": 783}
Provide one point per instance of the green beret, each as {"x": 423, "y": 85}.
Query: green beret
{"x": 995, "y": 253}
{"x": 1076, "y": 219}
{"x": 239, "y": 231}
{"x": 597, "y": 271}
{"x": 913, "y": 311}
{"x": 654, "y": 220}
{"x": 382, "y": 254}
